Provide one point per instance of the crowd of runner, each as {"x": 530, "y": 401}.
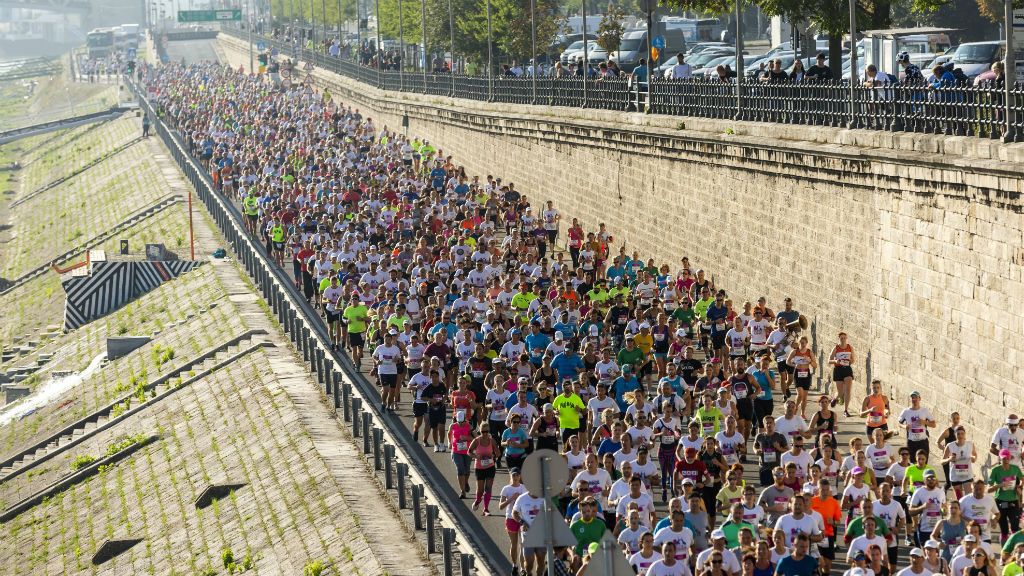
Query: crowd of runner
{"x": 508, "y": 327}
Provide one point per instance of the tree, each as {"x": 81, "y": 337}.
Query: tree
{"x": 610, "y": 29}
{"x": 510, "y": 22}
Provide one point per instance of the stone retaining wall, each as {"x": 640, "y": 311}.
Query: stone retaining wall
{"x": 911, "y": 243}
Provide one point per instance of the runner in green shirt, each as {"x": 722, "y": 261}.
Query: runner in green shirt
{"x": 355, "y": 322}
{"x": 569, "y": 406}
{"x": 588, "y": 529}
{"x": 1005, "y": 481}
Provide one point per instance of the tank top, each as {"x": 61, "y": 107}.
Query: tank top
{"x": 828, "y": 435}
{"x": 740, "y": 386}
{"x": 843, "y": 355}
{"x": 802, "y": 363}
{"x": 484, "y": 456}
{"x": 460, "y": 438}
{"x": 762, "y": 381}
{"x": 877, "y": 416}
{"x": 952, "y": 534}
{"x": 960, "y": 466}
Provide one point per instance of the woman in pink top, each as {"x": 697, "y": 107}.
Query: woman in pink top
{"x": 484, "y": 451}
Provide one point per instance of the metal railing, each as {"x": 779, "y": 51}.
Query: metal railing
{"x": 957, "y": 110}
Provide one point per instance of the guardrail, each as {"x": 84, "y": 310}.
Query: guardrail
{"x": 960, "y": 110}
{"x": 409, "y": 475}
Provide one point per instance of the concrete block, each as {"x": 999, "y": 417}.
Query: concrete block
{"x": 123, "y": 345}
{"x": 13, "y": 392}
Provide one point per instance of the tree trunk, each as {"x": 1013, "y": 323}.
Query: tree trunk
{"x": 835, "y": 55}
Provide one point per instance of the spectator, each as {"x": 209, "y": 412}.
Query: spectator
{"x": 819, "y": 71}
{"x": 681, "y": 70}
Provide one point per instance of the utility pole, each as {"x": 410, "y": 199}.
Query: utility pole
{"x": 854, "y": 76}
{"x": 1010, "y": 75}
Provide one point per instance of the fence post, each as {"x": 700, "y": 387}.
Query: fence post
{"x": 447, "y": 538}
{"x": 402, "y": 471}
{"x": 417, "y": 511}
{"x": 336, "y": 389}
{"x": 389, "y": 476}
{"x": 431, "y": 520}
{"x": 357, "y": 405}
{"x": 378, "y": 436}
{"x": 328, "y": 379}
{"x": 346, "y": 393}
{"x": 367, "y": 422}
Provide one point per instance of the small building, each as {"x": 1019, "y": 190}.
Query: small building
{"x": 923, "y": 44}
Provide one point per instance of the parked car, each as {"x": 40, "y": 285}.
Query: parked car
{"x": 976, "y": 58}
{"x": 702, "y": 46}
{"x": 575, "y": 51}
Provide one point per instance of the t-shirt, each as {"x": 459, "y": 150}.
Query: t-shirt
{"x": 980, "y": 510}
{"x": 914, "y": 420}
{"x": 512, "y": 493}
{"x": 641, "y": 564}
{"x": 528, "y": 507}
{"x": 1006, "y": 480}
{"x": 660, "y": 569}
{"x": 862, "y": 543}
{"x": 586, "y": 533}
{"x": 355, "y": 315}
{"x": 519, "y": 436}
{"x": 791, "y": 526}
{"x": 790, "y": 566}
{"x": 568, "y": 416}
{"x": 933, "y": 499}
{"x": 773, "y": 495}
{"x": 769, "y": 457}
{"x": 387, "y": 358}
{"x": 598, "y": 481}
{"x": 644, "y": 502}
{"x": 682, "y": 539}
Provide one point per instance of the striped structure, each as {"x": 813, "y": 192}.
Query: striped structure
{"x": 110, "y": 285}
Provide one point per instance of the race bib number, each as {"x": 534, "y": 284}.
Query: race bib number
{"x": 461, "y": 446}
{"x": 486, "y": 462}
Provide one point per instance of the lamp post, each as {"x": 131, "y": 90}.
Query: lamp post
{"x": 533, "y": 47}
{"x": 379, "y": 47}
{"x": 451, "y": 41}
{"x": 423, "y": 36}
{"x": 401, "y": 48}
{"x": 586, "y": 54}
{"x": 853, "y": 62}
{"x": 490, "y": 57}
{"x": 739, "y": 62}
{"x": 1010, "y": 74}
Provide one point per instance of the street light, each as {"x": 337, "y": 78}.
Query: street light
{"x": 423, "y": 35}
{"x": 451, "y": 31}
{"x": 1009, "y": 74}
{"x": 533, "y": 48}
{"x": 490, "y": 57}
{"x": 401, "y": 48}
{"x": 853, "y": 62}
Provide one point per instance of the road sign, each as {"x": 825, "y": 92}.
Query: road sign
{"x": 658, "y": 42}
{"x": 557, "y": 472}
{"x": 609, "y": 559}
{"x": 561, "y": 535}
{"x": 209, "y": 15}
{"x": 261, "y": 46}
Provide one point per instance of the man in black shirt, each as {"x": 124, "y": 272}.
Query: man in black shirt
{"x": 819, "y": 71}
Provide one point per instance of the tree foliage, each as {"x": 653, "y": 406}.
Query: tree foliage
{"x": 510, "y": 22}
{"x": 610, "y": 29}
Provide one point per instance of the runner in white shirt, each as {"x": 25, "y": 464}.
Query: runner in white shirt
{"x": 678, "y": 534}
{"x": 797, "y": 522}
{"x": 1009, "y": 437}
{"x": 981, "y": 507}
{"x": 668, "y": 565}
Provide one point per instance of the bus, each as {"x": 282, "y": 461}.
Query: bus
{"x": 100, "y": 42}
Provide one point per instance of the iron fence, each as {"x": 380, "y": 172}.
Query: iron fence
{"x": 964, "y": 110}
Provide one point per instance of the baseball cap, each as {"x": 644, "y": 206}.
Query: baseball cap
{"x": 932, "y": 544}
{"x": 1004, "y": 453}
{"x": 970, "y": 538}
{"x": 859, "y": 555}
{"x": 514, "y": 470}
{"x": 559, "y": 335}
{"x": 917, "y": 552}
{"x": 460, "y": 415}
{"x": 688, "y": 481}
{"x": 859, "y": 470}
{"x": 644, "y": 325}
{"x": 1012, "y": 419}
{"x": 915, "y": 393}
{"x": 929, "y": 473}
{"x": 680, "y": 333}
{"x": 717, "y": 533}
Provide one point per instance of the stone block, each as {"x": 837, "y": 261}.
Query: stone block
{"x": 123, "y": 345}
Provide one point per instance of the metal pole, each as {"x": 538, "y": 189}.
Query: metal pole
{"x": 191, "y": 233}
{"x": 549, "y": 527}
{"x": 451, "y": 32}
{"x": 377, "y": 3}
{"x": 1010, "y": 75}
{"x": 739, "y": 61}
{"x": 533, "y": 47}
{"x": 490, "y": 56}
{"x": 359, "y": 32}
{"x": 423, "y": 38}
{"x": 853, "y": 61}
{"x": 312, "y": 28}
{"x": 323, "y": 18}
{"x": 401, "y": 48}
{"x": 650, "y": 53}
{"x": 252, "y": 66}
{"x": 586, "y": 54}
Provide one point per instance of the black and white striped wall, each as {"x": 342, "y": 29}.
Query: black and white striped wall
{"x": 111, "y": 285}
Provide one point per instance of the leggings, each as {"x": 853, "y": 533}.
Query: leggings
{"x": 1009, "y": 517}
{"x": 667, "y": 459}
